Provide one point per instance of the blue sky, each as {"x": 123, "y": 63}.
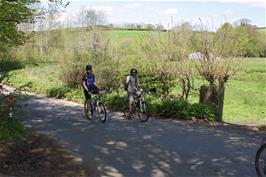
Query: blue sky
{"x": 213, "y": 13}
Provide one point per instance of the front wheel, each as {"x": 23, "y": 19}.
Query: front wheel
{"x": 88, "y": 109}
{"x": 260, "y": 161}
{"x": 101, "y": 111}
{"x": 143, "y": 111}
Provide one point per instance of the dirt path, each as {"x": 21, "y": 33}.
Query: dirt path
{"x": 157, "y": 148}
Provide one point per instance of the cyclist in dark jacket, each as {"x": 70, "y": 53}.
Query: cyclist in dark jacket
{"x": 88, "y": 82}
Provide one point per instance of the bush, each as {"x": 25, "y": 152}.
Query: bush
{"x": 115, "y": 102}
{"x": 72, "y": 68}
{"x": 156, "y": 81}
{"x": 11, "y": 129}
{"x": 57, "y": 92}
{"x": 262, "y": 128}
{"x": 8, "y": 64}
{"x": 201, "y": 111}
{"x": 175, "y": 107}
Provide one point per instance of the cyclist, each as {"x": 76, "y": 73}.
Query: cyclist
{"x": 88, "y": 83}
{"x": 131, "y": 86}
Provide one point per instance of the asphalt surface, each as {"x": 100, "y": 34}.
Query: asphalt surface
{"x": 157, "y": 148}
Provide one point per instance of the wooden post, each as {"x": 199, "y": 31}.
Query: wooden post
{"x": 213, "y": 96}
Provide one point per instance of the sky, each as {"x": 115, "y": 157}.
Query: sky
{"x": 212, "y": 12}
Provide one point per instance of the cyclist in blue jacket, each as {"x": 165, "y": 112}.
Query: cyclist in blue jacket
{"x": 88, "y": 83}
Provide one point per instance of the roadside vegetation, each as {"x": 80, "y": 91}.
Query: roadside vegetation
{"x": 178, "y": 68}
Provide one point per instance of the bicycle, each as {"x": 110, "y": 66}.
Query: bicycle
{"x": 260, "y": 159}
{"x": 140, "y": 106}
{"x": 94, "y": 104}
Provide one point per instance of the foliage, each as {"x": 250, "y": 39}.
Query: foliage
{"x": 244, "y": 98}
{"x": 115, "y": 101}
{"x": 262, "y": 128}
{"x": 102, "y": 55}
{"x": 249, "y": 41}
{"x": 201, "y": 111}
{"x": 11, "y": 129}
{"x": 157, "y": 80}
{"x": 216, "y": 63}
{"x": 169, "y": 53}
{"x": 8, "y": 63}
{"x": 73, "y": 67}
{"x": 171, "y": 107}
{"x": 13, "y": 13}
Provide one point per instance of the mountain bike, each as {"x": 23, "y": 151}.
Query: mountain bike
{"x": 260, "y": 159}
{"x": 139, "y": 106}
{"x": 94, "y": 106}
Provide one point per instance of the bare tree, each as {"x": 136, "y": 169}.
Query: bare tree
{"x": 94, "y": 18}
{"x": 216, "y": 67}
{"x": 170, "y": 51}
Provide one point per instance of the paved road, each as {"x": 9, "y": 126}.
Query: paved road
{"x": 158, "y": 148}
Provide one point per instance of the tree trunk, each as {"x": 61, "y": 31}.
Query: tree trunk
{"x": 213, "y": 96}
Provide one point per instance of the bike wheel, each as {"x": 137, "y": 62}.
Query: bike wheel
{"x": 143, "y": 112}
{"x": 88, "y": 110}
{"x": 125, "y": 112}
{"x": 260, "y": 161}
{"x": 101, "y": 111}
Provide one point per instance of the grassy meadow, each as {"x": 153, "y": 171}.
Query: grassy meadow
{"x": 245, "y": 94}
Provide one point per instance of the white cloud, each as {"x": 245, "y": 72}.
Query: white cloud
{"x": 169, "y": 11}
{"x": 106, "y": 9}
{"x": 132, "y": 6}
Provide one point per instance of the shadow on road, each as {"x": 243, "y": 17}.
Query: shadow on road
{"x": 123, "y": 147}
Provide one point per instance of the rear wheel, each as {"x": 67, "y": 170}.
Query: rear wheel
{"x": 101, "y": 111}
{"x": 88, "y": 109}
{"x": 260, "y": 161}
{"x": 143, "y": 111}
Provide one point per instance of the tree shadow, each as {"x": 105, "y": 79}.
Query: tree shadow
{"x": 121, "y": 147}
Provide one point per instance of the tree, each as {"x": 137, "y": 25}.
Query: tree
{"x": 150, "y": 27}
{"x": 13, "y": 13}
{"x": 217, "y": 65}
{"x": 94, "y": 18}
{"x": 159, "y": 27}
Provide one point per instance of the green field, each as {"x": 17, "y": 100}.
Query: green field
{"x": 245, "y": 94}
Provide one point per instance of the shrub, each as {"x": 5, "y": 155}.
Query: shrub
{"x": 201, "y": 111}
{"x": 7, "y": 63}
{"x": 157, "y": 80}
{"x": 72, "y": 67}
{"x": 174, "y": 107}
{"x": 262, "y": 128}
{"x": 115, "y": 101}
{"x": 11, "y": 129}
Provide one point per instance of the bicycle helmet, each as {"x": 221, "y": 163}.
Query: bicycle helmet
{"x": 133, "y": 70}
{"x": 89, "y": 67}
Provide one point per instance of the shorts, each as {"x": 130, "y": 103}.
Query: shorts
{"x": 94, "y": 90}
{"x": 131, "y": 94}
